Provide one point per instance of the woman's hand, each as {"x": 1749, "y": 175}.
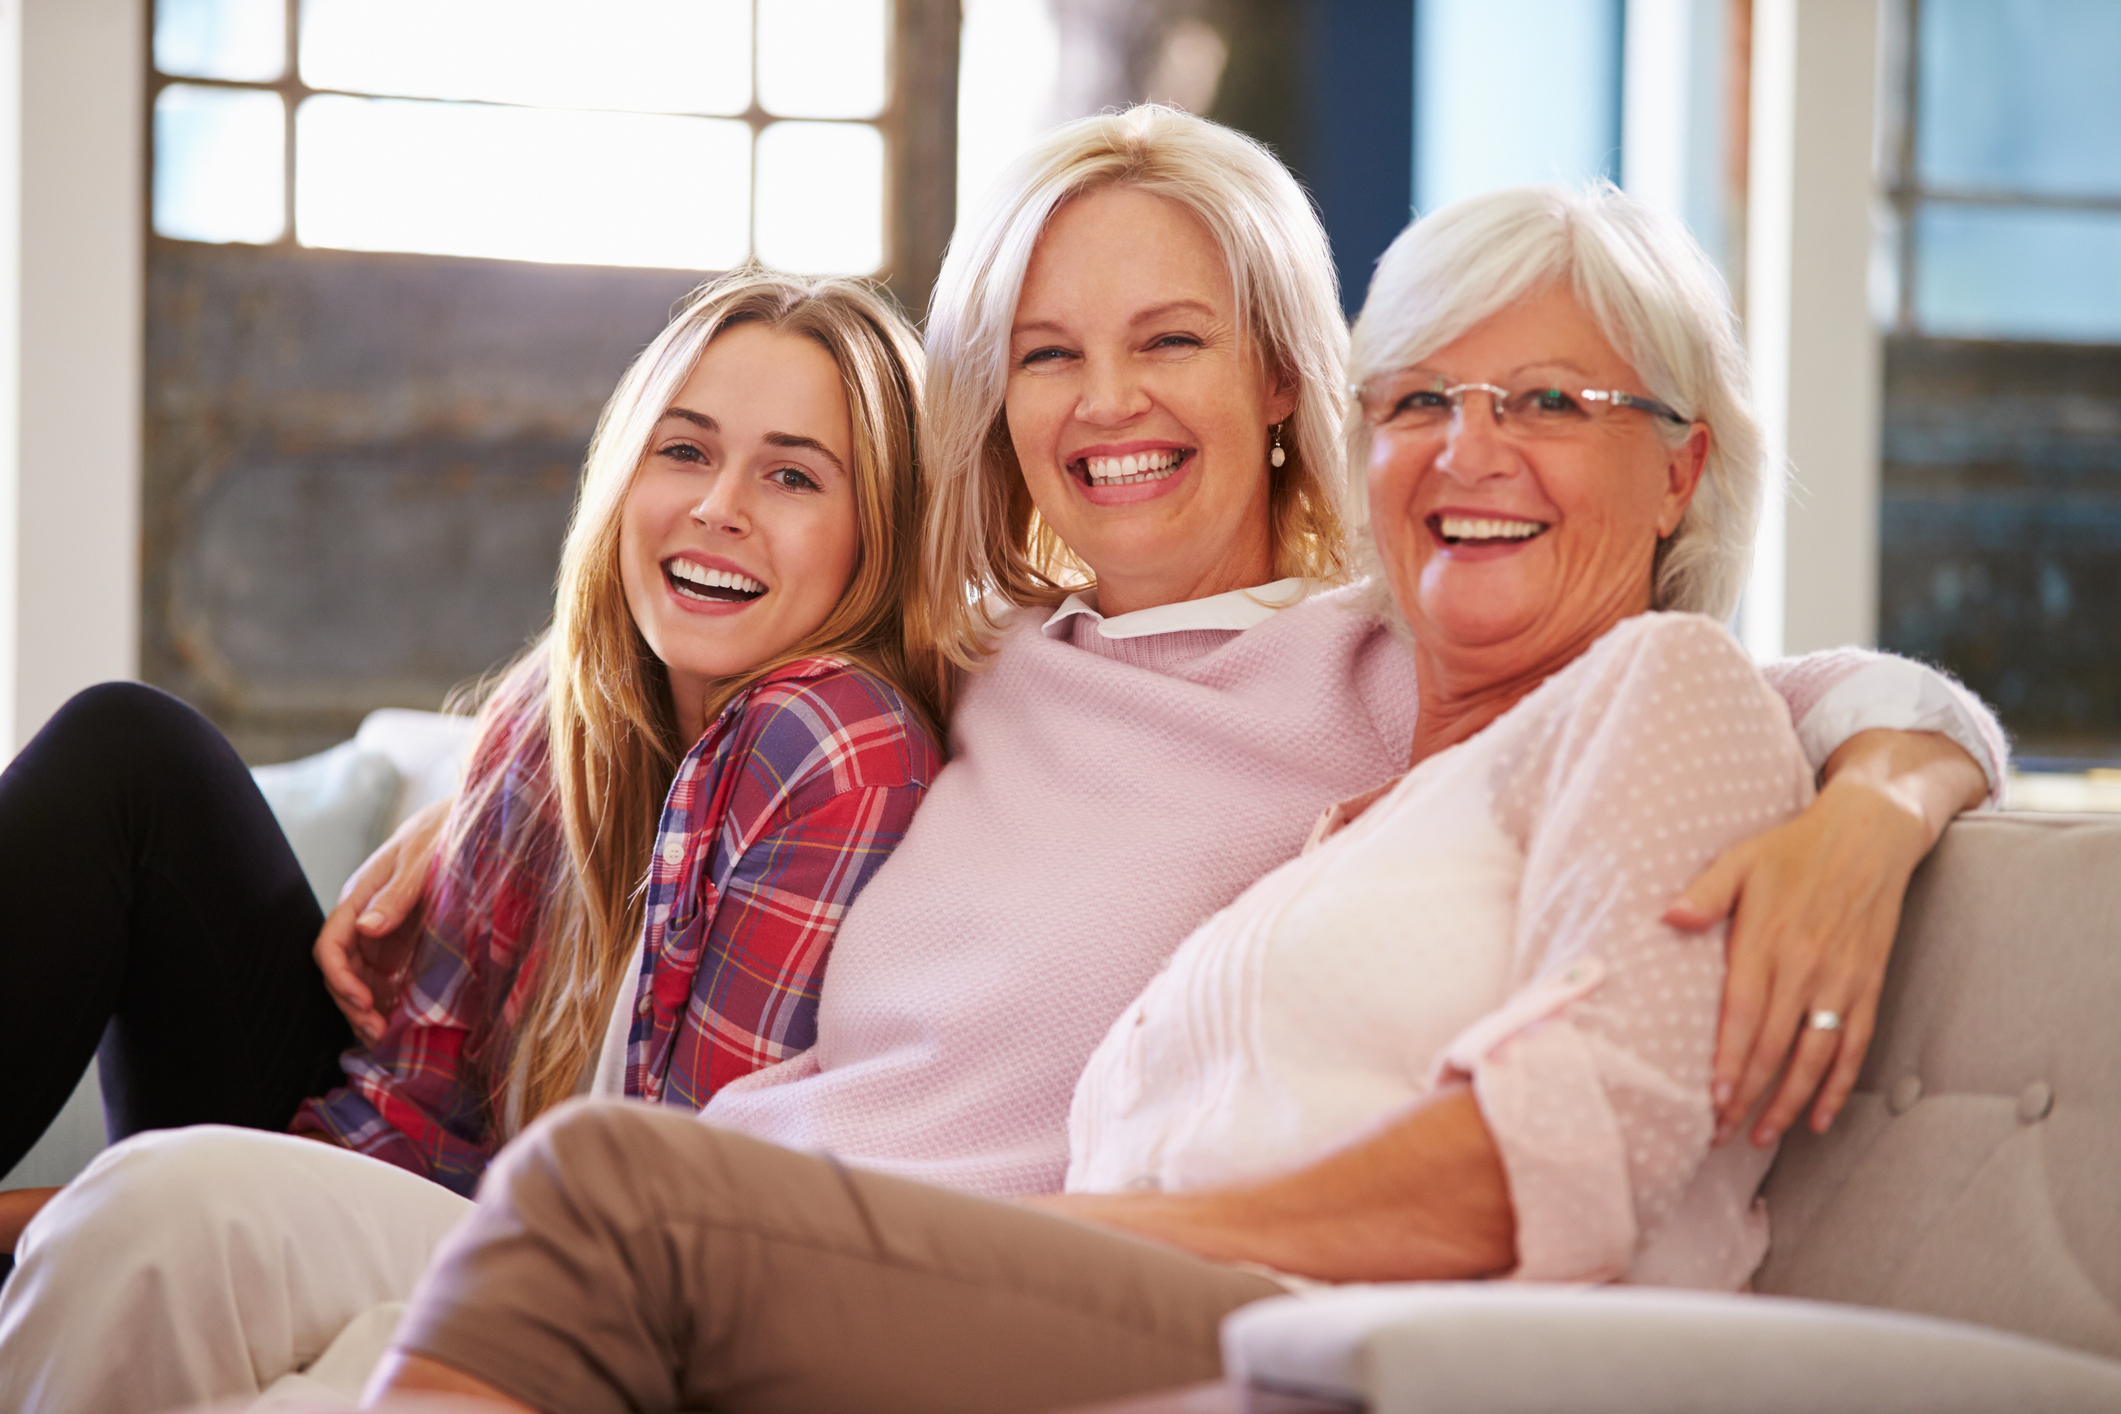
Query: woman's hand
{"x": 365, "y": 942}
{"x": 1817, "y": 903}
{"x": 17, "y": 1207}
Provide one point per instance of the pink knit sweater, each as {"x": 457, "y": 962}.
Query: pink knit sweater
{"x": 1105, "y": 795}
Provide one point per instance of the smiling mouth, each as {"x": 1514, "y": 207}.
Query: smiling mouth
{"x": 1483, "y": 530}
{"x": 693, "y": 581}
{"x": 1129, "y": 470}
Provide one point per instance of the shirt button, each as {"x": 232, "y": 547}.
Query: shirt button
{"x": 674, "y": 852}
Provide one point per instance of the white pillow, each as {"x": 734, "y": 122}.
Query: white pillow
{"x": 334, "y": 808}
{"x": 428, "y": 749}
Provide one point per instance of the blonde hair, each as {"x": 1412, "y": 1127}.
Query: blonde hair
{"x": 595, "y": 699}
{"x": 984, "y": 536}
{"x": 1654, "y": 295}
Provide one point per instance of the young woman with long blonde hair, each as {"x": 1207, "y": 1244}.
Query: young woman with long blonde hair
{"x": 793, "y": 619}
{"x": 684, "y": 781}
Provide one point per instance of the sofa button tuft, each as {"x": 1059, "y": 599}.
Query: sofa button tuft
{"x": 2034, "y": 1104}
{"x": 1906, "y": 1090}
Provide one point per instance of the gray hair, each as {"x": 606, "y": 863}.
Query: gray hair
{"x": 1653, "y": 293}
{"x": 983, "y": 535}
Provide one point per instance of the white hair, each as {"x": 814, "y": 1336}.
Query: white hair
{"x": 983, "y": 536}
{"x": 1654, "y": 295}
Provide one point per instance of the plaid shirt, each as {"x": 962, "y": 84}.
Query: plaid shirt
{"x": 776, "y": 819}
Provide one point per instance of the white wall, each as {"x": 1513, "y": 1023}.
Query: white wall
{"x": 71, "y": 186}
{"x": 1816, "y": 355}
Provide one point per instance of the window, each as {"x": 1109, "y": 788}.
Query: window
{"x": 1513, "y": 91}
{"x": 2000, "y": 514}
{"x": 690, "y": 134}
{"x": 2004, "y": 180}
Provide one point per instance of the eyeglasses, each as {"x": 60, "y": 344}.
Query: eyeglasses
{"x": 1412, "y": 400}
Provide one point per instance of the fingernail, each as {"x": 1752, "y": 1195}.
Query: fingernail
{"x": 371, "y": 919}
{"x": 1764, "y": 1136}
{"x": 1721, "y": 1093}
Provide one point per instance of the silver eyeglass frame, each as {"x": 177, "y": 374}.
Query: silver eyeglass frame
{"x": 1455, "y": 395}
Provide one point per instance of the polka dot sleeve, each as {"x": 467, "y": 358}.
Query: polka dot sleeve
{"x": 1661, "y": 750}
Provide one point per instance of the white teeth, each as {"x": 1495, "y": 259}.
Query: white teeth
{"x": 689, "y": 573}
{"x": 1482, "y": 528}
{"x": 1128, "y": 470}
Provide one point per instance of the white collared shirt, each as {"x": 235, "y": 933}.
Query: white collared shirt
{"x": 1236, "y": 610}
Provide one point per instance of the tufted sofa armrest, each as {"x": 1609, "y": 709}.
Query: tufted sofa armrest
{"x": 1972, "y": 1175}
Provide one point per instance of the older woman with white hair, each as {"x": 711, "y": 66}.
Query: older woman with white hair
{"x": 1455, "y": 1038}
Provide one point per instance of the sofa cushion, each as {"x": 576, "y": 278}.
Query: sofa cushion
{"x": 334, "y": 808}
{"x": 1526, "y": 1348}
{"x": 1973, "y": 1175}
{"x": 426, "y": 748}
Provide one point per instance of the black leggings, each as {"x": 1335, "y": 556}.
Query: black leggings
{"x": 152, "y": 908}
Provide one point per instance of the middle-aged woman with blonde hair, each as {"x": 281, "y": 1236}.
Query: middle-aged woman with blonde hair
{"x": 1456, "y": 1038}
{"x": 1133, "y": 428}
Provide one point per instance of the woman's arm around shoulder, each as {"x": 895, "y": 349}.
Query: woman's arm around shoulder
{"x": 367, "y": 938}
{"x": 1837, "y": 694}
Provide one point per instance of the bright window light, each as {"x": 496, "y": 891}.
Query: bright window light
{"x": 1008, "y": 59}
{"x": 649, "y": 56}
{"x": 1513, "y": 91}
{"x": 220, "y": 171}
{"x": 1990, "y": 272}
{"x": 821, "y": 198}
{"x": 2020, "y": 96}
{"x": 245, "y": 40}
{"x": 822, "y": 58}
{"x": 522, "y": 183}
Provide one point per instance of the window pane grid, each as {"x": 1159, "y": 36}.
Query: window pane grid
{"x": 2005, "y": 190}
{"x": 824, "y": 184}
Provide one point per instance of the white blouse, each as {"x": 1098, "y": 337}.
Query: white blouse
{"x": 1495, "y": 914}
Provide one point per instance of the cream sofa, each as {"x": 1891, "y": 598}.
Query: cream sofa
{"x": 1953, "y": 1244}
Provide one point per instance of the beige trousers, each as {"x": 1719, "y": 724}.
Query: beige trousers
{"x": 627, "y": 1258}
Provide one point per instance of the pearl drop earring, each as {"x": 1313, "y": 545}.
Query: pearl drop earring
{"x": 1277, "y": 457}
